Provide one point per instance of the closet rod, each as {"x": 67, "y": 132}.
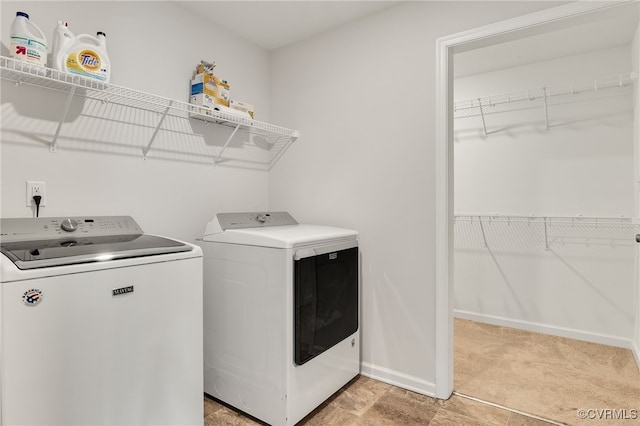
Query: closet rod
{"x": 470, "y": 105}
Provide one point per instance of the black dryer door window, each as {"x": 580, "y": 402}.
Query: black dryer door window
{"x": 326, "y": 302}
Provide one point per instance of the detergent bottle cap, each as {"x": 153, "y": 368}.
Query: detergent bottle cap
{"x": 26, "y": 15}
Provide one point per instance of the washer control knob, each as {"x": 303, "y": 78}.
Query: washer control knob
{"x": 69, "y": 225}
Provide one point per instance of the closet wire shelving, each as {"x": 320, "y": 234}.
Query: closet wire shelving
{"x": 279, "y": 138}
{"x": 625, "y": 227}
{"x": 481, "y": 106}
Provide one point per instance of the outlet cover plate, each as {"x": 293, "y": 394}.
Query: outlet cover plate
{"x": 31, "y": 186}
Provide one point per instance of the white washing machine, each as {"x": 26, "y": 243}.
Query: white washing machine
{"x": 281, "y": 313}
{"x": 101, "y": 324}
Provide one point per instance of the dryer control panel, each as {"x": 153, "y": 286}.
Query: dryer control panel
{"x": 224, "y": 221}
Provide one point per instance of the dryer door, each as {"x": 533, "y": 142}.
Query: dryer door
{"x": 326, "y": 301}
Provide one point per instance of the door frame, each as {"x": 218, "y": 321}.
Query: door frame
{"x": 471, "y": 39}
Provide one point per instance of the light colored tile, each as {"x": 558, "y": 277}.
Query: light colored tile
{"x": 451, "y": 418}
{"x": 416, "y": 397}
{"x": 228, "y": 417}
{"x": 328, "y": 414}
{"x": 516, "y": 419}
{"x": 400, "y": 407}
{"x": 472, "y": 409}
{"x": 211, "y": 406}
{"x": 359, "y": 395}
{"x": 548, "y": 376}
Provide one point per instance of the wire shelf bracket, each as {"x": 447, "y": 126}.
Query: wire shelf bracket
{"x": 484, "y": 124}
{"x": 157, "y": 129}
{"x": 218, "y": 159}
{"x": 67, "y": 105}
{"x": 484, "y": 236}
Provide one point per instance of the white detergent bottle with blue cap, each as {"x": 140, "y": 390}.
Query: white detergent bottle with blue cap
{"x": 86, "y": 56}
{"x": 28, "y": 42}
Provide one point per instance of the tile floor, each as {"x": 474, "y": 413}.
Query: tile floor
{"x": 547, "y": 376}
{"x": 552, "y": 377}
{"x": 368, "y": 402}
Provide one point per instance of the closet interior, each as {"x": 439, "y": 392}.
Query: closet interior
{"x": 546, "y": 181}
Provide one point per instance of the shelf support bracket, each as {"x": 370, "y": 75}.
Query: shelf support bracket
{"x": 484, "y": 125}
{"x": 226, "y": 144}
{"x": 546, "y": 239}
{"x": 67, "y": 105}
{"x": 145, "y": 151}
{"x": 546, "y": 108}
{"x": 484, "y": 237}
{"x": 275, "y": 159}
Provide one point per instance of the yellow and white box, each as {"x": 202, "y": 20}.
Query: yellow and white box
{"x": 204, "y": 100}
{"x": 242, "y": 106}
{"x": 211, "y": 103}
{"x": 211, "y": 85}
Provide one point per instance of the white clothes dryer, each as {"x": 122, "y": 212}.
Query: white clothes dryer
{"x": 100, "y": 324}
{"x": 281, "y": 313}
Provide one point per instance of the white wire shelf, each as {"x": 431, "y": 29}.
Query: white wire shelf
{"x": 484, "y": 105}
{"x": 623, "y": 227}
{"x": 279, "y": 138}
{"x": 559, "y": 220}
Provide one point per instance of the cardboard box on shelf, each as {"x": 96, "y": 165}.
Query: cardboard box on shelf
{"x": 209, "y": 84}
{"x": 211, "y": 103}
{"x": 206, "y": 100}
{"x": 241, "y": 106}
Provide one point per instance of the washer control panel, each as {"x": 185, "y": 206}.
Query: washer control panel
{"x": 69, "y": 225}
{"x": 43, "y": 228}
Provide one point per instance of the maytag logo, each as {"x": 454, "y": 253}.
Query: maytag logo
{"x": 32, "y": 297}
{"x": 333, "y": 256}
{"x": 123, "y": 290}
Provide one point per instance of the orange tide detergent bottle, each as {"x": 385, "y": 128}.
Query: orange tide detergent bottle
{"x": 83, "y": 54}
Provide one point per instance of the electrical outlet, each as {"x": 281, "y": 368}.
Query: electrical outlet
{"x": 36, "y": 188}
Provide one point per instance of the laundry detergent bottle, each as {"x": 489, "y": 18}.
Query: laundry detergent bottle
{"x": 61, "y": 41}
{"x": 28, "y": 42}
{"x": 86, "y": 56}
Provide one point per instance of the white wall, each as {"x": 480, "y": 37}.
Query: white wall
{"x": 98, "y": 168}
{"x": 581, "y": 287}
{"x": 582, "y": 284}
{"x": 582, "y": 165}
{"x": 362, "y": 96}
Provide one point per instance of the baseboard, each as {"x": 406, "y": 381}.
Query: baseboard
{"x": 398, "y": 379}
{"x": 570, "y": 333}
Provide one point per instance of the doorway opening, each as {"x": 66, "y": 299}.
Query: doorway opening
{"x": 533, "y": 220}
